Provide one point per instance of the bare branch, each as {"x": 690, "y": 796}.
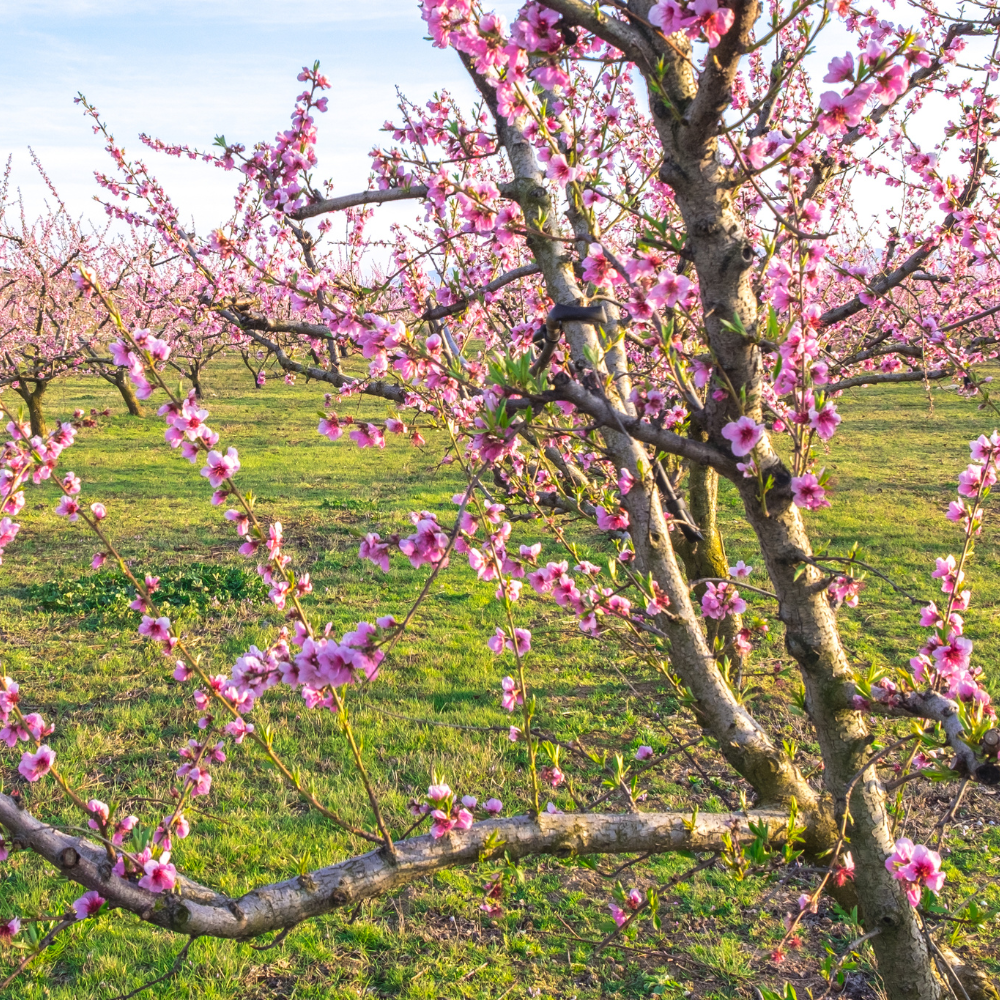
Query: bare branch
{"x": 346, "y": 201}
{"x": 881, "y": 378}
{"x": 198, "y": 911}
{"x": 440, "y": 312}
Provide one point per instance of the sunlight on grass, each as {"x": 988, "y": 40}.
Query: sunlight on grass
{"x": 120, "y": 718}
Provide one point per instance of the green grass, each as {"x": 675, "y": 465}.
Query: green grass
{"x": 70, "y": 641}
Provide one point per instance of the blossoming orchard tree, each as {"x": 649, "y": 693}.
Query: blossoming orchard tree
{"x": 637, "y": 266}
{"x": 47, "y": 331}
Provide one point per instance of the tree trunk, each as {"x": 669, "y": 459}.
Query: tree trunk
{"x": 128, "y": 394}
{"x": 194, "y": 374}
{"x": 708, "y": 557}
{"x": 741, "y": 740}
{"x": 33, "y": 399}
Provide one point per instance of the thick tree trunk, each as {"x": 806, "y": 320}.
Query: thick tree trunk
{"x": 33, "y": 400}
{"x": 194, "y": 374}
{"x": 124, "y": 386}
{"x": 708, "y": 557}
{"x": 741, "y": 740}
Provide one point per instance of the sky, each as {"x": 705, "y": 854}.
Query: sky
{"x": 188, "y": 70}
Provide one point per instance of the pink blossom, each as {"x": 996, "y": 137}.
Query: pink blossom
{"x": 160, "y": 874}
{"x": 743, "y": 434}
{"x": 438, "y": 792}
{"x": 824, "y": 421}
{"x": 68, "y": 508}
{"x": 428, "y": 544}
{"x": 100, "y": 812}
{"x": 891, "y": 83}
{"x": 607, "y": 521}
{"x": 99, "y": 511}
{"x": 720, "y": 600}
{"x": 559, "y": 170}
{"x": 840, "y": 69}
{"x": 625, "y": 481}
{"x": 713, "y": 20}
{"x": 845, "y": 590}
{"x": 668, "y": 16}
{"x": 443, "y": 823}
{"x": 88, "y": 905}
{"x": 221, "y": 467}
{"x": 330, "y": 427}
{"x": 157, "y": 629}
{"x": 644, "y": 753}
{"x": 9, "y": 930}
{"x": 917, "y": 866}
{"x": 369, "y": 437}
{"x": 123, "y": 828}
{"x": 807, "y": 492}
{"x": 36, "y": 765}
{"x": 741, "y": 570}
{"x": 494, "y": 807}
{"x": 512, "y": 694}
{"x": 838, "y": 114}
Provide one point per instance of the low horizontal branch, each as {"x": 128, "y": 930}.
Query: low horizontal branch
{"x": 883, "y": 378}
{"x": 197, "y": 910}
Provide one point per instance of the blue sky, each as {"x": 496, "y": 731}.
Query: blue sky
{"x": 186, "y": 70}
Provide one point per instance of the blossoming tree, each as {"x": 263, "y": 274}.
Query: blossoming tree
{"x": 637, "y": 267}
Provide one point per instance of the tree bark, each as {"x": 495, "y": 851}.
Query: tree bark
{"x": 132, "y": 404}
{"x": 33, "y": 400}
{"x": 196, "y": 910}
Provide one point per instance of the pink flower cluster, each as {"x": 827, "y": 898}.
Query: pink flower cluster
{"x": 946, "y": 657}
{"x": 917, "y": 867}
{"x": 703, "y": 17}
{"x": 720, "y": 600}
{"x": 588, "y": 605}
{"x": 16, "y": 726}
{"x": 447, "y": 811}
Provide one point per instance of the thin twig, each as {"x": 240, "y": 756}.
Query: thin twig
{"x": 169, "y": 974}
{"x": 42, "y": 945}
{"x": 275, "y": 943}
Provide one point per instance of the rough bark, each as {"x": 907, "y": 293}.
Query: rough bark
{"x": 741, "y": 740}
{"x": 33, "y": 400}
{"x": 123, "y": 385}
{"x": 197, "y": 910}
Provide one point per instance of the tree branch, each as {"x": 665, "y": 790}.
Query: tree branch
{"x": 440, "y": 312}
{"x": 346, "y": 201}
{"x": 881, "y": 378}
{"x": 199, "y": 911}
{"x": 384, "y": 390}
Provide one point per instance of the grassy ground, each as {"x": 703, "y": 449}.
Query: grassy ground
{"x": 119, "y": 721}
